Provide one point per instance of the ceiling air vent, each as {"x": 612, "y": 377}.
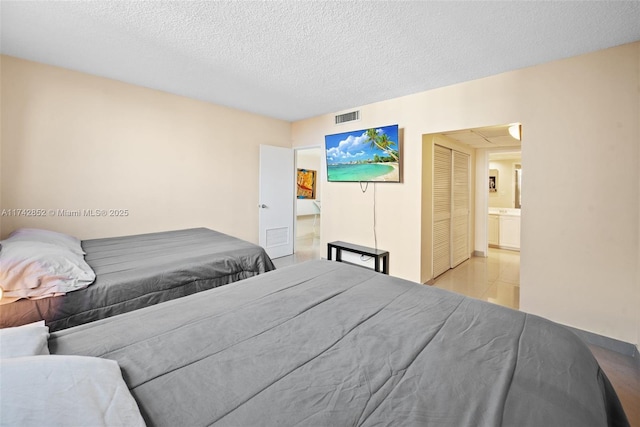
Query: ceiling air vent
{"x": 348, "y": 117}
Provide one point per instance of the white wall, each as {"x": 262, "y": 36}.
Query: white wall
{"x": 74, "y": 141}
{"x": 579, "y": 233}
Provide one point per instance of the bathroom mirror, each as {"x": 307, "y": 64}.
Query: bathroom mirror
{"x": 505, "y": 180}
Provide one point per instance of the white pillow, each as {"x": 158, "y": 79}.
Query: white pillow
{"x": 26, "y": 340}
{"x": 65, "y": 391}
{"x": 47, "y": 236}
{"x": 35, "y": 270}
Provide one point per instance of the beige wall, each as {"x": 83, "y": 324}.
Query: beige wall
{"x": 580, "y": 230}
{"x": 74, "y": 141}
{"x": 580, "y": 233}
{"x": 348, "y": 211}
{"x": 1, "y": 121}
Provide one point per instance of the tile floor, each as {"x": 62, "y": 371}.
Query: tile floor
{"x": 495, "y": 278}
{"x": 307, "y": 245}
{"x": 306, "y": 249}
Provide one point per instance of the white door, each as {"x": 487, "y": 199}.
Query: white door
{"x": 276, "y": 193}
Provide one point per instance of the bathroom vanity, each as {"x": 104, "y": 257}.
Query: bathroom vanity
{"x": 504, "y": 228}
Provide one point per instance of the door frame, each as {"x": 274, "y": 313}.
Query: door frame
{"x": 481, "y": 247}
{"x": 320, "y": 176}
{"x": 280, "y": 250}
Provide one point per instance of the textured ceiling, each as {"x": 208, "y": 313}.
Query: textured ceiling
{"x": 298, "y": 59}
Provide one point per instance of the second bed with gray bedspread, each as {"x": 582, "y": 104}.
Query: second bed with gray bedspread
{"x": 136, "y": 271}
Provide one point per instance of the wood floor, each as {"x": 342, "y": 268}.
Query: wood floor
{"x": 497, "y": 279}
{"x": 624, "y": 373}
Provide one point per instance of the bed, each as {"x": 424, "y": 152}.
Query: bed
{"x": 329, "y": 344}
{"x": 136, "y": 271}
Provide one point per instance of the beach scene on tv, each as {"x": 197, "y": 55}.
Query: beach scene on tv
{"x": 364, "y": 155}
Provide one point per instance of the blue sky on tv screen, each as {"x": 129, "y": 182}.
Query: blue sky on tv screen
{"x": 352, "y": 146}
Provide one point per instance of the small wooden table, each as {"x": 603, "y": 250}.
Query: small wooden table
{"x": 377, "y": 254}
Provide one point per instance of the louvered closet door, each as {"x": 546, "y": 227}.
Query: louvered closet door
{"x": 460, "y": 197}
{"x": 441, "y": 210}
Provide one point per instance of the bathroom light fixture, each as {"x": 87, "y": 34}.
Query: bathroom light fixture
{"x": 516, "y": 131}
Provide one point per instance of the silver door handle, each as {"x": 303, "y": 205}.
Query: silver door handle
{"x": 262, "y": 206}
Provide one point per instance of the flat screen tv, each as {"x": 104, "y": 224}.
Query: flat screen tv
{"x": 366, "y": 155}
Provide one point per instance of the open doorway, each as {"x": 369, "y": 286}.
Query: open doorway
{"x": 505, "y": 199}
{"x": 493, "y": 272}
{"x": 504, "y": 225}
{"x": 308, "y": 205}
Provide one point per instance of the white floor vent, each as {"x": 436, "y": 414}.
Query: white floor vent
{"x": 348, "y": 117}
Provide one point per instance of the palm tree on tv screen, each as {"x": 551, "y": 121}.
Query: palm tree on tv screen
{"x": 382, "y": 142}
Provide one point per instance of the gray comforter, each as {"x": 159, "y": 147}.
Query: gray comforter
{"x": 327, "y": 344}
{"x": 141, "y": 270}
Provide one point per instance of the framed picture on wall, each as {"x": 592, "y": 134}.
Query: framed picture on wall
{"x": 306, "y": 184}
{"x": 493, "y": 180}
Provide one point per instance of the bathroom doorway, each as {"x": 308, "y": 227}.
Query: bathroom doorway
{"x": 505, "y": 201}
